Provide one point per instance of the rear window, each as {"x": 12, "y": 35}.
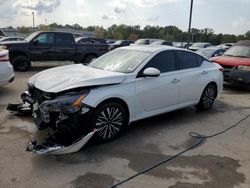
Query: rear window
{"x": 188, "y": 60}
{"x": 64, "y": 39}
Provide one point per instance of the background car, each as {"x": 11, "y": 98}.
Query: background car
{"x": 125, "y": 85}
{"x": 120, "y": 43}
{"x": 162, "y": 42}
{"x": 236, "y": 63}
{"x": 51, "y": 46}
{"x": 199, "y": 45}
{"x": 11, "y": 39}
{"x": 90, "y": 40}
{"x": 226, "y": 46}
{"x": 211, "y": 52}
{"x": 6, "y": 70}
{"x": 2, "y": 34}
{"x": 110, "y": 41}
{"x": 145, "y": 41}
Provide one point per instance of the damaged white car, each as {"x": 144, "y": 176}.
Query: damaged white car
{"x": 122, "y": 86}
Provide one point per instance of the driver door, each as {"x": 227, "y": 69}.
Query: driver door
{"x": 41, "y": 47}
{"x": 154, "y": 95}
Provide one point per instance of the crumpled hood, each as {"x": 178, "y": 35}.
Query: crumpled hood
{"x": 63, "y": 78}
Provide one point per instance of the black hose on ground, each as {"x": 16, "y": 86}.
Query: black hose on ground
{"x": 200, "y": 138}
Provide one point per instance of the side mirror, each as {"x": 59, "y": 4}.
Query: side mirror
{"x": 151, "y": 72}
{"x": 35, "y": 42}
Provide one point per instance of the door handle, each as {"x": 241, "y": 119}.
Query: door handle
{"x": 175, "y": 81}
{"x": 204, "y": 72}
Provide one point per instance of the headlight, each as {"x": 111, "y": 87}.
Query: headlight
{"x": 2, "y": 47}
{"x": 244, "y": 68}
{"x": 66, "y": 104}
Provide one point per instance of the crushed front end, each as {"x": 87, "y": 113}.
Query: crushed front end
{"x": 64, "y": 112}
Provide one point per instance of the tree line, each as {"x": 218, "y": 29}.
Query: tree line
{"x": 170, "y": 33}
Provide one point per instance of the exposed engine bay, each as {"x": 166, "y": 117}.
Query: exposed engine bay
{"x": 63, "y": 112}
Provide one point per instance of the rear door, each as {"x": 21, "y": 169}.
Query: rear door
{"x": 42, "y": 47}
{"x": 193, "y": 76}
{"x": 65, "y": 47}
{"x": 155, "y": 94}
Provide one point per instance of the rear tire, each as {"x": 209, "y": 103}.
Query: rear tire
{"x": 207, "y": 98}
{"x": 21, "y": 63}
{"x": 88, "y": 59}
{"x": 109, "y": 120}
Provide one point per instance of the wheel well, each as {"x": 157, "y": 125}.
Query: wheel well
{"x": 118, "y": 100}
{"x": 89, "y": 55}
{"x": 15, "y": 54}
{"x": 215, "y": 84}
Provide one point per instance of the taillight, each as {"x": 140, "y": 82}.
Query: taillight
{"x": 4, "y": 57}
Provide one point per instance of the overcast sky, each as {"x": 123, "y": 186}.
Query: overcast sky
{"x": 224, "y": 16}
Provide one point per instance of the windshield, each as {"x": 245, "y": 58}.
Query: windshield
{"x": 120, "y": 60}
{"x": 30, "y": 37}
{"x": 238, "y": 51}
{"x": 200, "y": 45}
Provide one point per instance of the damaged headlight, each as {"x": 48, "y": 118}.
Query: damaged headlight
{"x": 66, "y": 103}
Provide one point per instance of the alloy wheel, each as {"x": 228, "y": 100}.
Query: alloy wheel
{"x": 109, "y": 122}
{"x": 209, "y": 96}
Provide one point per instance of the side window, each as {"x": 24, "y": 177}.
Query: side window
{"x": 85, "y": 40}
{"x": 62, "y": 39}
{"x": 199, "y": 60}
{"x": 164, "y": 61}
{"x": 187, "y": 60}
{"x": 46, "y": 38}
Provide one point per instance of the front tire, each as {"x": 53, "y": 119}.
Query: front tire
{"x": 207, "y": 98}
{"x": 109, "y": 120}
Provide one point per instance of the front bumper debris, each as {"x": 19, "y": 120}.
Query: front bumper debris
{"x": 24, "y": 108}
{"x": 20, "y": 108}
{"x": 53, "y": 146}
{"x": 70, "y": 132}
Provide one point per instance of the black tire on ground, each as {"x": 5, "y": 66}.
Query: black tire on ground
{"x": 88, "y": 59}
{"x": 248, "y": 87}
{"x": 207, "y": 98}
{"x": 21, "y": 63}
{"x": 109, "y": 120}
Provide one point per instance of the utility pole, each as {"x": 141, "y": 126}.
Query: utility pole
{"x": 190, "y": 20}
{"x": 33, "y": 20}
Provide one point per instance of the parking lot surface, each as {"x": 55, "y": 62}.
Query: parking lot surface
{"x": 222, "y": 161}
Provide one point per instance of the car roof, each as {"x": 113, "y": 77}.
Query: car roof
{"x": 151, "y": 48}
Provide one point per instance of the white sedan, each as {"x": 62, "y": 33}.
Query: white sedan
{"x": 120, "y": 87}
{"x": 6, "y": 69}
